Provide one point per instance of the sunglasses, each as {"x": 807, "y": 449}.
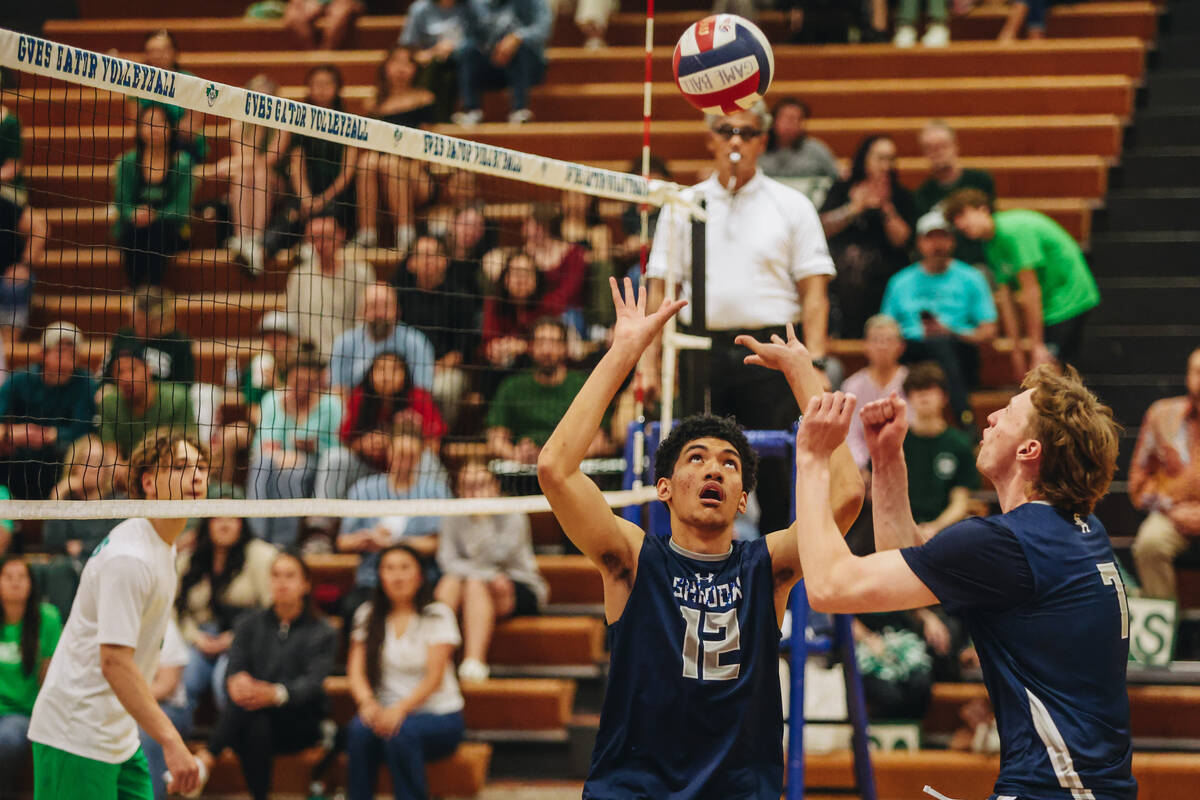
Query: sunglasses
{"x": 727, "y": 132}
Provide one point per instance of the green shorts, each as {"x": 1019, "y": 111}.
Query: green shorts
{"x": 59, "y": 775}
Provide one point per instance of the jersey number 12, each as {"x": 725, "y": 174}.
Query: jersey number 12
{"x": 719, "y": 623}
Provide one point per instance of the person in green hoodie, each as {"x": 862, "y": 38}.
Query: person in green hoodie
{"x": 1032, "y": 257}
{"x": 153, "y": 195}
{"x": 29, "y": 631}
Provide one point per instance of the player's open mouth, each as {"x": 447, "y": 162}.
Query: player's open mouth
{"x": 711, "y": 494}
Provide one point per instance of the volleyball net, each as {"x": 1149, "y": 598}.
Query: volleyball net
{"x": 345, "y": 311}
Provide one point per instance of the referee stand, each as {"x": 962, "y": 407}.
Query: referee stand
{"x": 798, "y": 645}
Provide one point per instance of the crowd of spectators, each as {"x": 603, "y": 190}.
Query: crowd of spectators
{"x": 362, "y": 376}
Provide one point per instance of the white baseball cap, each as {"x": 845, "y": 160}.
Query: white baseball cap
{"x": 58, "y": 332}
{"x": 933, "y": 221}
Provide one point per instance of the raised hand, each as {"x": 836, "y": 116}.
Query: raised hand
{"x": 633, "y": 325}
{"x": 777, "y": 354}
{"x": 825, "y": 425}
{"x": 885, "y": 422}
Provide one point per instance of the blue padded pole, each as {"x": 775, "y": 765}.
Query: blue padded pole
{"x": 856, "y": 704}
{"x": 796, "y": 661}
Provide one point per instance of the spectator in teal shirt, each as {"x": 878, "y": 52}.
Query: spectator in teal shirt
{"x": 299, "y": 423}
{"x": 944, "y": 308}
{"x": 42, "y": 410}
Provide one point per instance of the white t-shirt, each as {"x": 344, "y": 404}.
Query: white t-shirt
{"x": 125, "y": 598}
{"x": 404, "y": 657}
{"x": 760, "y": 241}
{"x": 175, "y": 653}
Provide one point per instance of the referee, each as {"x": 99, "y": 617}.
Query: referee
{"x": 766, "y": 265}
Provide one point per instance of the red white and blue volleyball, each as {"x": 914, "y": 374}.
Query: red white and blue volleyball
{"x": 723, "y": 64}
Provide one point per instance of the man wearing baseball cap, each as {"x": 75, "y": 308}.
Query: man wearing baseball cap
{"x": 944, "y": 308}
{"x": 43, "y": 408}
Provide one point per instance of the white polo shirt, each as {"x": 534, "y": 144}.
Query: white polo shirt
{"x": 760, "y": 241}
{"x": 125, "y": 598}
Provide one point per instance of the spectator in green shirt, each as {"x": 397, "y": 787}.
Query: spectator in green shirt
{"x": 42, "y": 410}
{"x": 947, "y": 175}
{"x": 152, "y": 335}
{"x": 153, "y": 195}
{"x": 528, "y": 405}
{"x": 29, "y": 632}
{"x": 1030, "y": 255}
{"x": 940, "y": 459}
{"x": 136, "y": 406}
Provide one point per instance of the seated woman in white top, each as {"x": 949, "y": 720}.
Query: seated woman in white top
{"x": 401, "y": 674}
{"x": 489, "y": 570}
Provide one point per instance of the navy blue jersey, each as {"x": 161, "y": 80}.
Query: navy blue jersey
{"x": 1041, "y": 597}
{"x": 693, "y": 708}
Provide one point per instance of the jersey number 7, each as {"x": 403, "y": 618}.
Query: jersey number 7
{"x": 1109, "y": 574}
{"x": 719, "y": 623}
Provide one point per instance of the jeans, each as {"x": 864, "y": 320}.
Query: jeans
{"x": 422, "y": 738}
{"x": 258, "y": 736}
{"x": 14, "y": 750}
{"x": 181, "y": 718}
{"x": 338, "y": 469}
{"x": 203, "y": 673}
{"x": 478, "y": 74}
{"x": 269, "y": 482}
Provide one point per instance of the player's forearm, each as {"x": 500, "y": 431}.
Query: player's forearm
{"x": 890, "y": 507}
{"x": 131, "y": 689}
{"x": 1031, "y": 310}
{"x": 822, "y": 549}
{"x": 568, "y": 445}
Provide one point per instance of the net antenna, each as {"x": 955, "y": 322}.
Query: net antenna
{"x": 80, "y": 67}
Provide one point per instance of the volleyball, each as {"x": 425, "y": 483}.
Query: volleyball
{"x": 723, "y": 64}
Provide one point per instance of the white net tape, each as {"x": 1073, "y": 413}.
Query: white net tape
{"x": 87, "y": 68}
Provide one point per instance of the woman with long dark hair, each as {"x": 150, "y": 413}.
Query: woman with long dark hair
{"x": 224, "y": 578}
{"x": 153, "y": 196}
{"x": 401, "y": 671}
{"x": 161, "y": 49}
{"x": 509, "y": 312}
{"x": 868, "y": 219}
{"x": 383, "y": 398}
{"x": 278, "y": 663}
{"x": 322, "y": 171}
{"x": 28, "y": 634}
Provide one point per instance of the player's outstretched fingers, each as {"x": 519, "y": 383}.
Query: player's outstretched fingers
{"x": 618, "y": 301}
{"x": 814, "y": 406}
